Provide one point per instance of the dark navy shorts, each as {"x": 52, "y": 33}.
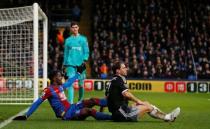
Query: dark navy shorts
{"x": 125, "y": 113}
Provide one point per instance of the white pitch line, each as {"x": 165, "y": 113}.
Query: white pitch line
{"x": 6, "y": 122}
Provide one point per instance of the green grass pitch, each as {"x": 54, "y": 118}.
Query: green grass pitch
{"x": 195, "y": 114}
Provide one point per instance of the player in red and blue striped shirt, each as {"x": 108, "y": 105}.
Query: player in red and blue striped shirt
{"x": 62, "y": 108}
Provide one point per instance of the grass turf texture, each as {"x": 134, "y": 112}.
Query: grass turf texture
{"x": 195, "y": 114}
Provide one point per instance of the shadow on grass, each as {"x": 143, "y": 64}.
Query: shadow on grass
{"x": 92, "y": 120}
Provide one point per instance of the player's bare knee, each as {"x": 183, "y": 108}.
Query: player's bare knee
{"x": 149, "y": 107}
{"x": 147, "y": 103}
{"x": 144, "y": 108}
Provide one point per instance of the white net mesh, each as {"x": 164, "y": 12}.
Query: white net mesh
{"x": 16, "y": 55}
{"x": 14, "y": 16}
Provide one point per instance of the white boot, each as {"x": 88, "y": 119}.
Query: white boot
{"x": 171, "y": 117}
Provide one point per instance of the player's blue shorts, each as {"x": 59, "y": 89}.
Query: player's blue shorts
{"x": 73, "y": 111}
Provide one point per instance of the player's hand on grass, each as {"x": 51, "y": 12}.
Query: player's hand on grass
{"x": 20, "y": 118}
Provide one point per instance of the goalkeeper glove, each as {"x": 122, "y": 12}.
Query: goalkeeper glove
{"x": 81, "y": 68}
{"x": 24, "y": 117}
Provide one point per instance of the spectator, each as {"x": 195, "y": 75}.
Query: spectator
{"x": 104, "y": 70}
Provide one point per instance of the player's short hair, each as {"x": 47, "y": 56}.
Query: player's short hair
{"x": 117, "y": 65}
{"x": 74, "y": 23}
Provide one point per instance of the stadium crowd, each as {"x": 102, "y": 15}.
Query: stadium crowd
{"x": 156, "y": 38}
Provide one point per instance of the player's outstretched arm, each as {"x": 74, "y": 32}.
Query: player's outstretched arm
{"x": 71, "y": 80}
{"x": 33, "y": 107}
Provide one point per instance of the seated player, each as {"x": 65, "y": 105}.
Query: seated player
{"x": 62, "y": 108}
{"x": 118, "y": 97}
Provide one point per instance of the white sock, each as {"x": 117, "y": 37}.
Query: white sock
{"x": 157, "y": 113}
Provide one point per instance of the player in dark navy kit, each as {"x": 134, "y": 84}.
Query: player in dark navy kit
{"x": 59, "y": 103}
{"x": 118, "y": 97}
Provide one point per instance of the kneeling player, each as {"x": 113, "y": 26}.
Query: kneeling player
{"x": 62, "y": 108}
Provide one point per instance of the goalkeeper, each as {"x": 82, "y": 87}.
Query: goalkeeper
{"x": 76, "y": 52}
{"x": 62, "y": 108}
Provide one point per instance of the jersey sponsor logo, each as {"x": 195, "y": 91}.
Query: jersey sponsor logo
{"x": 62, "y": 96}
{"x": 140, "y": 86}
{"x": 76, "y": 48}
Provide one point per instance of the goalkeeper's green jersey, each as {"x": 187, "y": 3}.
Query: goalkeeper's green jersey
{"x": 76, "y": 50}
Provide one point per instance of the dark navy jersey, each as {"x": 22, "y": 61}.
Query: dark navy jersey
{"x": 114, "y": 93}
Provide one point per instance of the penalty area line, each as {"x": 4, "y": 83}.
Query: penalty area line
{"x": 6, "y": 122}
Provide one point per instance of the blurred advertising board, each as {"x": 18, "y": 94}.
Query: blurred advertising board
{"x": 133, "y": 85}
{"x": 151, "y": 86}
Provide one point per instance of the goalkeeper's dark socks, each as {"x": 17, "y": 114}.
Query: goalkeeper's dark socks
{"x": 81, "y": 93}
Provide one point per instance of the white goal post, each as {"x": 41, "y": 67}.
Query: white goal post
{"x": 23, "y": 54}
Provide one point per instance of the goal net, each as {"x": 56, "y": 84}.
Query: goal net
{"x": 23, "y": 54}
